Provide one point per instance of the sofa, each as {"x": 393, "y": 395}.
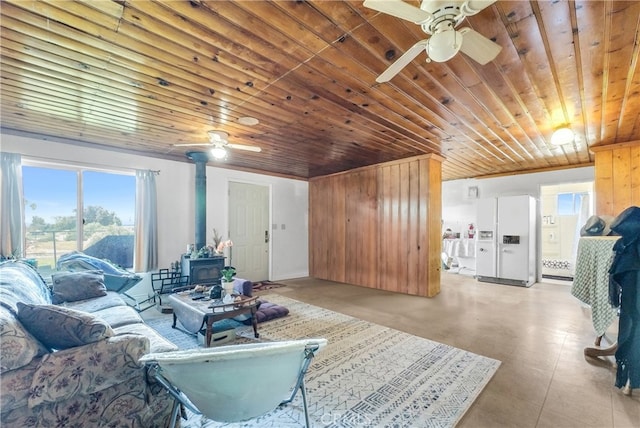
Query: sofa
{"x": 69, "y": 354}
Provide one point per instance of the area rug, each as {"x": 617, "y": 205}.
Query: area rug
{"x": 369, "y": 375}
{"x": 266, "y": 285}
{"x": 181, "y": 338}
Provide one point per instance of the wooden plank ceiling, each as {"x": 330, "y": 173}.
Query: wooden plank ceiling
{"x": 142, "y": 76}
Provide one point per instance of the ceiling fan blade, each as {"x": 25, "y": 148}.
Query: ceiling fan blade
{"x": 472, "y": 7}
{"x": 478, "y": 47}
{"x": 399, "y": 9}
{"x": 245, "y": 147}
{"x": 402, "y": 62}
{"x": 191, "y": 144}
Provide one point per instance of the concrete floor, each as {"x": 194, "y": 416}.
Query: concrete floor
{"x": 538, "y": 333}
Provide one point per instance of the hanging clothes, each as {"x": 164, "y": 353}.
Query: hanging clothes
{"x": 624, "y": 293}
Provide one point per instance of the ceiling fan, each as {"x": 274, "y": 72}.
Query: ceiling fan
{"x": 219, "y": 140}
{"x": 439, "y": 18}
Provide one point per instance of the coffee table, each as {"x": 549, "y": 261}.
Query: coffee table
{"x": 195, "y": 311}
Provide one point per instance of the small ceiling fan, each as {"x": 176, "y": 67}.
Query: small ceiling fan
{"x": 439, "y": 18}
{"x": 219, "y": 140}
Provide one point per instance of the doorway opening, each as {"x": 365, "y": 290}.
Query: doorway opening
{"x": 564, "y": 209}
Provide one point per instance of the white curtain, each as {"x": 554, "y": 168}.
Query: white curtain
{"x": 12, "y": 203}
{"x": 146, "y": 222}
{"x": 583, "y": 216}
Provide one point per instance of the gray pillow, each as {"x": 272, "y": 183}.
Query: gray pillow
{"x": 73, "y": 286}
{"x": 58, "y": 327}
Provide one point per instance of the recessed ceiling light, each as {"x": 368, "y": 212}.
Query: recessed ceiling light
{"x": 248, "y": 120}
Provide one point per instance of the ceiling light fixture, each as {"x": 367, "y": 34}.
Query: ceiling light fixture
{"x": 444, "y": 44}
{"x": 561, "y": 136}
{"x": 218, "y": 152}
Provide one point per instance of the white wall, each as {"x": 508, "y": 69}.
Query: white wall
{"x": 289, "y": 208}
{"x": 176, "y": 199}
{"x": 458, "y": 210}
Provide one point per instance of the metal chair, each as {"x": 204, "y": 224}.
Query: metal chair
{"x": 237, "y": 382}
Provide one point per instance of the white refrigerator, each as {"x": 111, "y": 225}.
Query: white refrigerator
{"x": 506, "y": 247}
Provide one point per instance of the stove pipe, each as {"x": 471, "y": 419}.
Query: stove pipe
{"x": 200, "y": 159}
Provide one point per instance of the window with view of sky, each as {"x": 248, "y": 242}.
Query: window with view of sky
{"x": 51, "y": 206}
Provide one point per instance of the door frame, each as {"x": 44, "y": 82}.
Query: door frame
{"x": 540, "y": 212}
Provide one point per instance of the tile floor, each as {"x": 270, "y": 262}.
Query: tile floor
{"x": 538, "y": 333}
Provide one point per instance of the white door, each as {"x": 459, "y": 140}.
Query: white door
{"x": 249, "y": 230}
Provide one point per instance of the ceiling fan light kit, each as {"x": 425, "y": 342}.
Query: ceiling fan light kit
{"x": 561, "y": 136}
{"x": 218, "y": 152}
{"x": 444, "y": 45}
{"x": 439, "y": 19}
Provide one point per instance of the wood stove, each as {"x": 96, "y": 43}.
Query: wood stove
{"x": 206, "y": 271}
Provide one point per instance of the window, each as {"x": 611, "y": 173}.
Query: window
{"x": 54, "y": 197}
{"x": 566, "y": 204}
{"x": 570, "y": 203}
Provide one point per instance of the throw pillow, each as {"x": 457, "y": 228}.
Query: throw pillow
{"x": 73, "y": 286}
{"x": 19, "y": 347}
{"x": 58, "y": 327}
{"x": 268, "y": 311}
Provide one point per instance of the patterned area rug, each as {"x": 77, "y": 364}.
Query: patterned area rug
{"x": 369, "y": 375}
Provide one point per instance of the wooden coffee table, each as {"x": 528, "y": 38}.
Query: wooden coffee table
{"x": 194, "y": 314}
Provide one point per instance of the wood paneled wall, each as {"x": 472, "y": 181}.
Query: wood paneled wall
{"x": 617, "y": 183}
{"x": 379, "y": 226}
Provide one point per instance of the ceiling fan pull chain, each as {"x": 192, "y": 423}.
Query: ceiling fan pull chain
{"x": 456, "y": 44}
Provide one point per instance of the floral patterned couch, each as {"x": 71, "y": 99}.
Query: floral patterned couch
{"x": 69, "y": 354}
